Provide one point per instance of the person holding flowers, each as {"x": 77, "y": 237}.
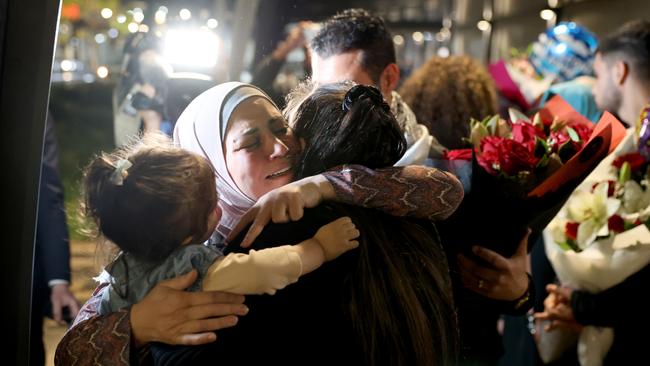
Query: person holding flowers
{"x": 599, "y": 247}
{"x": 523, "y": 170}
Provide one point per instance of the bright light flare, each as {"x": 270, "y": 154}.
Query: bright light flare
{"x": 483, "y": 25}
{"x": 185, "y": 14}
{"x": 67, "y": 65}
{"x": 443, "y": 52}
{"x": 138, "y": 17}
{"x": 199, "y": 48}
{"x": 212, "y": 23}
{"x": 160, "y": 17}
{"x": 547, "y": 14}
{"x": 106, "y": 13}
{"x": 133, "y": 27}
{"x": 102, "y": 72}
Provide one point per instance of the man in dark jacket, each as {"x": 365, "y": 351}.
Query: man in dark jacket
{"x": 51, "y": 294}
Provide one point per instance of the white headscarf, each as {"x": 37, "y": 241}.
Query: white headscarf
{"x": 201, "y": 129}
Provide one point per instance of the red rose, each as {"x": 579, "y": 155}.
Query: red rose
{"x": 489, "y": 157}
{"x": 560, "y": 137}
{"x": 635, "y": 160}
{"x": 616, "y": 224}
{"x": 458, "y": 154}
{"x": 525, "y": 133}
{"x": 505, "y": 155}
{"x": 571, "y": 230}
{"x": 557, "y": 139}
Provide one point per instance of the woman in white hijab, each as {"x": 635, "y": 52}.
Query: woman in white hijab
{"x": 243, "y": 134}
{"x": 240, "y": 130}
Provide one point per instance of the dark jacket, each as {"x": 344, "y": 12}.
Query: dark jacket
{"x": 623, "y": 307}
{"x": 307, "y": 323}
{"x": 52, "y": 250}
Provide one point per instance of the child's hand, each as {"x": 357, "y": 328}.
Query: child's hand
{"x": 283, "y": 204}
{"x": 337, "y": 237}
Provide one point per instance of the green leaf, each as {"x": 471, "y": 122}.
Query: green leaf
{"x": 491, "y": 125}
{"x": 566, "y": 151}
{"x": 573, "y": 245}
{"x": 516, "y": 115}
{"x": 565, "y": 246}
{"x": 573, "y": 134}
{"x": 625, "y": 173}
{"x": 477, "y": 134}
{"x": 541, "y": 147}
{"x": 543, "y": 162}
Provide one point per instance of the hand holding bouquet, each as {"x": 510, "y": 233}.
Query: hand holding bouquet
{"x": 601, "y": 236}
{"x": 523, "y": 170}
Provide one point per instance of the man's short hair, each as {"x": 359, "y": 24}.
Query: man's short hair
{"x": 631, "y": 44}
{"x": 357, "y": 29}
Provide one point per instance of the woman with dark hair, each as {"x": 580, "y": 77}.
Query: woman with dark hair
{"x": 341, "y": 123}
{"x": 390, "y": 302}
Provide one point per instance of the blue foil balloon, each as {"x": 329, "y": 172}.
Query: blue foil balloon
{"x": 564, "y": 52}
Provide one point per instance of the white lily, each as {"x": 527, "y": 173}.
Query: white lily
{"x": 557, "y": 230}
{"x": 635, "y": 198}
{"x": 591, "y": 210}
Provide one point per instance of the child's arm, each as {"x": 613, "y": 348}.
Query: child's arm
{"x": 272, "y": 269}
{"x": 330, "y": 241}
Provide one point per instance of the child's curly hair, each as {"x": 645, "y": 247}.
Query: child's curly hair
{"x": 445, "y": 93}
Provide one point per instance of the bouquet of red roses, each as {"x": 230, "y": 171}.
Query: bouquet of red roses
{"x": 523, "y": 170}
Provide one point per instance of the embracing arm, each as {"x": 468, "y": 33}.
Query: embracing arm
{"x": 413, "y": 191}
{"x": 166, "y": 314}
{"x": 95, "y": 338}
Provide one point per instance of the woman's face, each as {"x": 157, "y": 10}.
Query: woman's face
{"x": 258, "y": 148}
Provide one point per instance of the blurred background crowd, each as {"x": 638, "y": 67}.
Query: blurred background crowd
{"x": 122, "y": 67}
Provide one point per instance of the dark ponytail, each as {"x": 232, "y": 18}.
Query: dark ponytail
{"x": 359, "y": 126}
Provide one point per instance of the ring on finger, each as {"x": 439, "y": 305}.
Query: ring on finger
{"x": 481, "y": 283}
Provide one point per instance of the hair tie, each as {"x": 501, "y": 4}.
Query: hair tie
{"x": 359, "y": 92}
{"x": 120, "y": 172}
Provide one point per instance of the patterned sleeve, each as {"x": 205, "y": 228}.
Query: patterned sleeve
{"x": 412, "y": 191}
{"x": 98, "y": 339}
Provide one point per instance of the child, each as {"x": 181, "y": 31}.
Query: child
{"x": 157, "y": 203}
